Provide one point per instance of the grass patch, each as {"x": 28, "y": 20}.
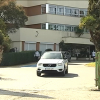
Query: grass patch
{"x": 92, "y": 64}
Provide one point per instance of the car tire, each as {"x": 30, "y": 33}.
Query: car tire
{"x": 38, "y": 73}
{"x": 63, "y": 73}
{"x": 66, "y": 70}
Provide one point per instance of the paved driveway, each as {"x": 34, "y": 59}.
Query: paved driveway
{"x": 21, "y": 83}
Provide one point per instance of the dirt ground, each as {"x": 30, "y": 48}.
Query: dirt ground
{"x": 21, "y": 83}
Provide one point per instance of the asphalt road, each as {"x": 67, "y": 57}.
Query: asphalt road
{"x": 21, "y": 83}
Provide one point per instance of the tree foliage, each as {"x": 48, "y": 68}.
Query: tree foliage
{"x": 92, "y": 22}
{"x": 12, "y": 17}
{"x": 4, "y": 38}
{"x": 61, "y": 44}
{"x": 79, "y": 31}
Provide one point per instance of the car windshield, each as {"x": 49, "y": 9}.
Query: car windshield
{"x": 49, "y": 55}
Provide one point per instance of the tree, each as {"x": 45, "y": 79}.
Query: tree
{"x": 79, "y": 31}
{"x": 12, "y": 17}
{"x": 61, "y": 45}
{"x": 4, "y": 38}
{"x": 92, "y": 22}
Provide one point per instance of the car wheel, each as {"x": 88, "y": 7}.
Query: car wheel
{"x": 63, "y": 73}
{"x": 66, "y": 71}
{"x": 38, "y": 73}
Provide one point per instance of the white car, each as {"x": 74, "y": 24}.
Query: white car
{"x": 52, "y": 62}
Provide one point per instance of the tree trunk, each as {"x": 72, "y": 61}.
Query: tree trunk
{"x": 95, "y": 41}
{"x": 1, "y": 52}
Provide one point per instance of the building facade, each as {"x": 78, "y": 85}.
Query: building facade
{"x": 50, "y": 22}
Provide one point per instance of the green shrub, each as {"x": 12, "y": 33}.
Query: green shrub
{"x": 10, "y": 59}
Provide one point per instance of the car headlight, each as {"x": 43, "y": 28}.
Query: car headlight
{"x": 40, "y": 64}
{"x": 59, "y": 64}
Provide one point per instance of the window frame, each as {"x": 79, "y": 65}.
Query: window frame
{"x": 60, "y": 8}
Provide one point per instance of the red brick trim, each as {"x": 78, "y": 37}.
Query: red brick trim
{"x": 38, "y": 46}
{"x": 54, "y": 46}
{"x": 23, "y": 43}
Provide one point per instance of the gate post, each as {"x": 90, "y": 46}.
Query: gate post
{"x": 96, "y": 69}
{"x": 99, "y": 70}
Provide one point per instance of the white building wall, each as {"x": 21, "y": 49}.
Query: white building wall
{"x": 23, "y": 3}
{"x": 71, "y": 3}
{"x": 53, "y": 19}
{"x": 51, "y": 36}
{"x": 17, "y": 44}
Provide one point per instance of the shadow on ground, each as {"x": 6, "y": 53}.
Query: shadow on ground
{"x": 78, "y": 62}
{"x": 69, "y": 75}
{"x": 95, "y": 90}
{"x": 74, "y": 64}
{"x": 23, "y": 94}
{"x": 7, "y": 79}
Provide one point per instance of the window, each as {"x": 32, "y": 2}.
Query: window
{"x": 74, "y": 12}
{"x": 43, "y": 26}
{"x": 63, "y": 10}
{"x": 58, "y": 27}
{"x": 43, "y": 9}
{"x": 62, "y": 27}
{"x": 67, "y": 11}
{"x": 60, "y": 10}
{"x": 86, "y": 30}
{"x": 52, "y": 9}
{"x": 67, "y": 28}
{"x": 52, "y": 26}
{"x": 73, "y": 28}
{"x": 83, "y": 12}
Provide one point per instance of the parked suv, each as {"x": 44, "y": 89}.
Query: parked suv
{"x": 52, "y": 62}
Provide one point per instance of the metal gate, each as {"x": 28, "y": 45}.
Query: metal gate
{"x": 97, "y": 69}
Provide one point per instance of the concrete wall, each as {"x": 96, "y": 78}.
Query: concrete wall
{"x": 17, "y": 44}
{"x": 53, "y": 19}
{"x": 27, "y": 34}
{"x": 51, "y": 36}
{"x": 15, "y": 36}
{"x": 22, "y": 2}
{"x": 71, "y": 3}
{"x": 46, "y": 36}
{"x": 77, "y": 40}
{"x": 37, "y": 19}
